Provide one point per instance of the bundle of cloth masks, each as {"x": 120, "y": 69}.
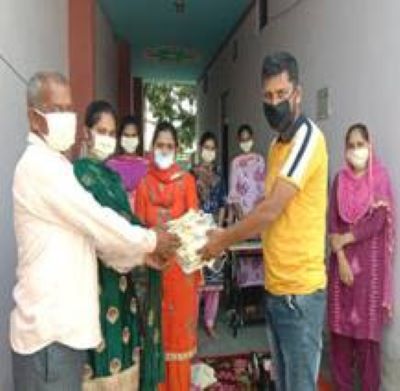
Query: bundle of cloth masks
{"x": 192, "y": 229}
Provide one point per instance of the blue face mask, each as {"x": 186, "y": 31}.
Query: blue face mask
{"x": 162, "y": 160}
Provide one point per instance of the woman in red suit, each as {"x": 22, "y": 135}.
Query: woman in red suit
{"x": 167, "y": 192}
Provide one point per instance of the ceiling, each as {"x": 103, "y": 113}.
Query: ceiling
{"x": 167, "y": 45}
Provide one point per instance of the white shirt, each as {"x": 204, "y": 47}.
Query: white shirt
{"x": 59, "y": 227}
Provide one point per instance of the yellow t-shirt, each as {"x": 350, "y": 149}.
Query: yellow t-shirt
{"x": 294, "y": 245}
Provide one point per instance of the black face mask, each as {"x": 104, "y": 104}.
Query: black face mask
{"x": 280, "y": 117}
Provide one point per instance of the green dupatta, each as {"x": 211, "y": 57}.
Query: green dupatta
{"x": 106, "y": 187}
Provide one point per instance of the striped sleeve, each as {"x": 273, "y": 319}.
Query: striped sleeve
{"x": 303, "y": 156}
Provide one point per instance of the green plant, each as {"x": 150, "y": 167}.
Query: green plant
{"x": 176, "y": 103}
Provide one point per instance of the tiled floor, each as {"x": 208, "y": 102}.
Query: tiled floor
{"x": 250, "y": 338}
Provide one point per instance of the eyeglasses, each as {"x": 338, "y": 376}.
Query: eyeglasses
{"x": 278, "y": 96}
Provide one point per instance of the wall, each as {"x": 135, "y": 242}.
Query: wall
{"x": 106, "y": 59}
{"x": 33, "y": 36}
{"x": 350, "y": 46}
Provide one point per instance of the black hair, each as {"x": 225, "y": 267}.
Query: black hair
{"x": 208, "y": 136}
{"x": 361, "y": 128}
{"x": 95, "y": 110}
{"x": 165, "y": 126}
{"x": 128, "y": 120}
{"x": 280, "y": 62}
{"x": 245, "y": 128}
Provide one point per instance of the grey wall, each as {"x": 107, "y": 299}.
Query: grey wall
{"x": 33, "y": 36}
{"x": 350, "y": 46}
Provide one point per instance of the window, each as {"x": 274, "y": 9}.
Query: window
{"x": 262, "y": 13}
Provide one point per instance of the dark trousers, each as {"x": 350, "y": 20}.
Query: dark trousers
{"x": 54, "y": 368}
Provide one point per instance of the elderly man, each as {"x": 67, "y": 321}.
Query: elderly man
{"x": 291, "y": 219}
{"x": 59, "y": 229}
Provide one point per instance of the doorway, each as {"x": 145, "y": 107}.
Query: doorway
{"x": 224, "y": 135}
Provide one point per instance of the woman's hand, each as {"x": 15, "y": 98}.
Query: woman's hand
{"x": 336, "y": 242}
{"x": 339, "y": 241}
{"x": 345, "y": 272}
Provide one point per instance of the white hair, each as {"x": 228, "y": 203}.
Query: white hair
{"x": 37, "y": 82}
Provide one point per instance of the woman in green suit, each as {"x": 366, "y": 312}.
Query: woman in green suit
{"x": 114, "y": 365}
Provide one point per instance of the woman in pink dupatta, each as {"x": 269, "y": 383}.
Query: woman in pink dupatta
{"x": 127, "y": 162}
{"x": 246, "y": 190}
{"x": 361, "y": 232}
{"x": 247, "y": 176}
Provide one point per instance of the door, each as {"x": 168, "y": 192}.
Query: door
{"x": 224, "y": 136}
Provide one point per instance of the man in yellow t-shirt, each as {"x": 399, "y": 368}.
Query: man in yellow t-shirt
{"x": 294, "y": 244}
{"x": 291, "y": 220}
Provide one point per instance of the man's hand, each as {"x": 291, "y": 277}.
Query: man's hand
{"x": 215, "y": 245}
{"x": 167, "y": 244}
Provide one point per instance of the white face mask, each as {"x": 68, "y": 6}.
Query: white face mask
{"x": 130, "y": 144}
{"x": 61, "y": 128}
{"x": 208, "y": 156}
{"x": 358, "y": 158}
{"x": 104, "y": 146}
{"x": 247, "y": 146}
{"x": 164, "y": 161}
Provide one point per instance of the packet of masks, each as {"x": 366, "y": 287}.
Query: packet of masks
{"x": 192, "y": 230}
{"x": 202, "y": 376}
